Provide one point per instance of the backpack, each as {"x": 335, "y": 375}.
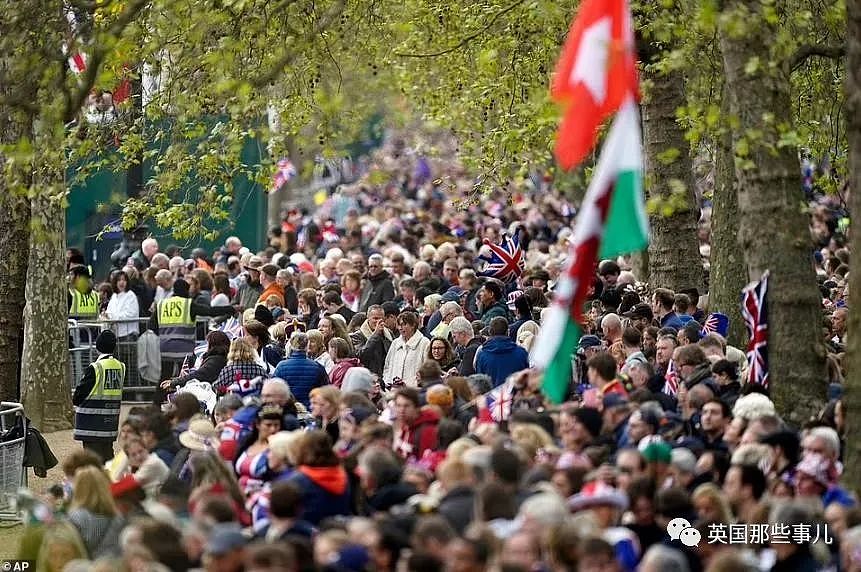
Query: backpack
{"x": 149, "y": 357}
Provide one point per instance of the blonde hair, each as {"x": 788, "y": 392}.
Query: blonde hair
{"x": 530, "y": 438}
{"x": 240, "y": 351}
{"x": 247, "y": 315}
{"x": 713, "y": 494}
{"x": 92, "y": 492}
{"x": 328, "y": 393}
{"x": 316, "y": 336}
{"x": 431, "y": 302}
{"x": 60, "y": 532}
{"x": 285, "y": 445}
{"x": 279, "y": 331}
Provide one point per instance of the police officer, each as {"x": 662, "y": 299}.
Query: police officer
{"x": 98, "y": 398}
{"x": 174, "y": 321}
{"x": 83, "y": 300}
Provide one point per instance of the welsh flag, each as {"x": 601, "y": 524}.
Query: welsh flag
{"x": 611, "y": 221}
{"x": 595, "y": 74}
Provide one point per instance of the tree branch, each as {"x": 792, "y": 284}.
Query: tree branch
{"x": 468, "y": 38}
{"x": 809, "y": 50}
{"x": 289, "y": 56}
{"x": 76, "y": 99}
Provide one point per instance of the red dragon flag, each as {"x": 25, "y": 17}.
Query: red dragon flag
{"x": 594, "y": 75}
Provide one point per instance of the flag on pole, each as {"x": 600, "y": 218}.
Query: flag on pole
{"x": 754, "y": 310}
{"x": 717, "y": 323}
{"x": 497, "y": 403}
{"x": 671, "y": 379}
{"x": 284, "y": 173}
{"x": 595, "y": 74}
{"x": 612, "y": 221}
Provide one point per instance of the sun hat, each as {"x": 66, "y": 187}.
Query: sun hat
{"x": 597, "y": 493}
{"x": 200, "y": 436}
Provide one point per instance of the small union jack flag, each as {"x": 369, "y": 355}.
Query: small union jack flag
{"x": 671, "y": 378}
{"x": 754, "y": 310}
{"x": 497, "y": 403}
{"x": 232, "y": 328}
{"x": 716, "y": 323}
{"x": 284, "y": 173}
{"x": 506, "y": 260}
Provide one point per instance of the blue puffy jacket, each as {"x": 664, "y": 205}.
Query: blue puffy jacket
{"x": 302, "y": 374}
{"x": 499, "y": 357}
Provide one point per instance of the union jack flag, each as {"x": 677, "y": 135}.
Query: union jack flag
{"x": 506, "y": 261}
{"x": 497, "y": 403}
{"x": 716, "y": 323}
{"x": 232, "y": 328}
{"x": 284, "y": 172}
{"x": 754, "y": 310}
{"x": 671, "y": 378}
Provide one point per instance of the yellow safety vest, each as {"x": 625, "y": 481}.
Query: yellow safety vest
{"x": 84, "y": 305}
{"x": 175, "y": 311}
{"x": 110, "y": 374}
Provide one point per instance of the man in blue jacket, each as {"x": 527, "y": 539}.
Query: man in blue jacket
{"x": 499, "y": 356}
{"x": 300, "y": 372}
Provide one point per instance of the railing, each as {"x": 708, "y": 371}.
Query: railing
{"x": 82, "y": 349}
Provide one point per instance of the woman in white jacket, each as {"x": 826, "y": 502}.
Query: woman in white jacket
{"x": 406, "y": 354}
{"x": 123, "y": 305}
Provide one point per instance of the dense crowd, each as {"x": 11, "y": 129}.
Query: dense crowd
{"x": 377, "y": 409}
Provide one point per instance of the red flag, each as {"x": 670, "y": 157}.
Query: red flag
{"x": 595, "y": 73}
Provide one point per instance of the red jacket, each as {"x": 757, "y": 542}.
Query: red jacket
{"x": 412, "y": 441}
{"x": 340, "y": 370}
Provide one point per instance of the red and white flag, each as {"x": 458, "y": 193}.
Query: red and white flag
{"x": 595, "y": 74}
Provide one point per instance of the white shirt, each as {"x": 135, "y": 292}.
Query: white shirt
{"x": 220, "y": 299}
{"x": 124, "y": 306}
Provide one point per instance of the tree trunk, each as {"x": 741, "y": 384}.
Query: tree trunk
{"x": 774, "y": 229}
{"x": 14, "y": 237}
{"x": 852, "y": 394}
{"x": 674, "y": 256}
{"x": 728, "y": 270}
{"x": 46, "y": 394}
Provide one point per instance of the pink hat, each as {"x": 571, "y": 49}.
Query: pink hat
{"x": 598, "y": 493}
{"x": 821, "y": 469}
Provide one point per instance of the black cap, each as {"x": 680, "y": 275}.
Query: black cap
{"x": 590, "y": 418}
{"x": 641, "y": 310}
{"x": 106, "y": 343}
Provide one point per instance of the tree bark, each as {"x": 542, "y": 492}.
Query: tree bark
{"x": 728, "y": 270}
{"x": 14, "y": 237}
{"x": 46, "y": 394}
{"x": 674, "y": 256}
{"x": 852, "y": 394}
{"x": 774, "y": 230}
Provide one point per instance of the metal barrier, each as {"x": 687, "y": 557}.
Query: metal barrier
{"x": 13, "y": 426}
{"x": 82, "y": 350}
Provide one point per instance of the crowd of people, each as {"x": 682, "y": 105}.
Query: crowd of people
{"x": 378, "y": 409}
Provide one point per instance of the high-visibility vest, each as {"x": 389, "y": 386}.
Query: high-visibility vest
{"x": 98, "y": 416}
{"x": 176, "y": 327}
{"x": 84, "y": 306}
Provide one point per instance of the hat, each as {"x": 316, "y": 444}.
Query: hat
{"x": 106, "y": 343}
{"x": 590, "y": 418}
{"x": 658, "y": 453}
{"x": 598, "y": 493}
{"x": 200, "y": 436}
{"x": 254, "y": 263}
{"x": 269, "y": 269}
{"x": 225, "y": 538}
{"x": 124, "y": 486}
{"x": 589, "y": 341}
{"x": 512, "y": 298}
{"x": 263, "y": 315}
{"x": 452, "y": 294}
{"x": 641, "y": 310}
{"x": 683, "y": 460}
{"x": 613, "y": 400}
